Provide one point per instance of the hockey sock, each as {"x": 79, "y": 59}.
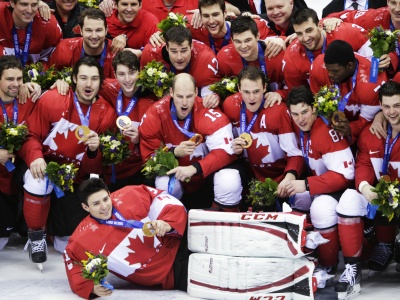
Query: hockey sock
{"x": 219, "y": 207}
{"x": 385, "y": 233}
{"x": 328, "y": 253}
{"x": 36, "y": 209}
{"x": 351, "y": 234}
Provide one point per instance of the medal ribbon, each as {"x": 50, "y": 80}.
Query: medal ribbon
{"x": 14, "y": 114}
{"x": 345, "y": 99}
{"x": 23, "y": 54}
{"x": 388, "y": 149}
{"x": 130, "y": 106}
{"x": 186, "y": 125}
{"x": 84, "y": 118}
{"x": 243, "y": 127}
{"x": 225, "y": 42}
{"x": 103, "y": 53}
{"x": 120, "y": 222}
{"x": 310, "y": 54}
{"x": 261, "y": 60}
{"x": 397, "y": 44}
{"x": 305, "y": 148}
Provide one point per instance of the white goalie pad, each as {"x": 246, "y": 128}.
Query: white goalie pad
{"x": 250, "y": 278}
{"x": 247, "y": 234}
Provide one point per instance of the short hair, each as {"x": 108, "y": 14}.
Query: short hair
{"x": 90, "y": 187}
{"x": 178, "y": 34}
{"x": 389, "y": 89}
{"x": 126, "y": 58}
{"x": 9, "y": 62}
{"x": 298, "y": 95}
{"x": 16, "y": 1}
{"x": 177, "y": 77}
{"x": 302, "y": 15}
{"x": 242, "y": 24}
{"x": 252, "y": 73}
{"x": 205, "y": 3}
{"x": 90, "y": 62}
{"x": 339, "y": 52}
{"x": 92, "y": 13}
{"x": 117, "y": 1}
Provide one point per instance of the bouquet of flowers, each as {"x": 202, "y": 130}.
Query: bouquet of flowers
{"x": 170, "y": 21}
{"x": 160, "y": 163}
{"x": 36, "y": 73}
{"x": 89, "y": 3}
{"x": 382, "y": 41}
{"x": 155, "y": 78}
{"x": 65, "y": 74}
{"x": 262, "y": 194}
{"x": 388, "y": 197}
{"x": 114, "y": 147}
{"x": 62, "y": 175}
{"x": 12, "y": 136}
{"x": 326, "y": 102}
{"x": 95, "y": 268}
{"x": 225, "y": 87}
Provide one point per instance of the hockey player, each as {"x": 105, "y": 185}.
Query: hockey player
{"x": 339, "y": 66}
{"x": 312, "y": 40}
{"x": 172, "y": 122}
{"x": 330, "y": 166}
{"x": 25, "y": 34}
{"x": 123, "y": 94}
{"x": 52, "y": 137}
{"x": 376, "y": 157}
{"x": 273, "y": 152}
{"x": 147, "y": 261}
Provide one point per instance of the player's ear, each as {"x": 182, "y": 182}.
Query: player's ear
{"x": 85, "y": 207}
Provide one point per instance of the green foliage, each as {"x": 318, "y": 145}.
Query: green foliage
{"x": 382, "y": 41}
{"x": 326, "y": 101}
{"x": 37, "y": 74}
{"x": 62, "y": 175}
{"x": 388, "y": 198}
{"x": 95, "y": 267}
{"x": 114, "y": 147}
{"x": 170, "y": 21}
{"x": 262, "y": 194}
{"x": 226, "y": 87}
{"x": 155, "y": 78}
{"x": 160, "y": 163}
{"x": 89, "y": 3}
{"x": 12, "y": 136}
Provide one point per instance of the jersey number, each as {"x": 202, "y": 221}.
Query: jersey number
{"x": 335, "y": 137}
{"x": 213, "y": 115}
{"x": 215, "y": 70}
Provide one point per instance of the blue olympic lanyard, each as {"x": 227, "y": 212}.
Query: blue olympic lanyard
{"x": 225, "y": 42}
{"x": 309, "y": 53}
{"x": 345, "y": 99}
{"x": 121, "y": 222}
{"x": 23, "y": 54}
{"x": 15, "y": 111}
{"x": 305, "y": 148}
{"x": 243, "y": 127}
{"x": 84, "y": 118}
{"x": 397, "y": 44}
{"x": 261, "y": 60}
{"x": 173, "y": 69}
{"x": 388, "y": 149}
{"x": 186, "y": 125}
{"x": 130, "y": 106}
{"x": 103, "y": 53}
{"x": 366, "y": 5}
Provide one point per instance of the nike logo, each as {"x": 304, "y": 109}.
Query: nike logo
{"x": 373, "y": 152}
{"x": 102, "y": 249}
{"x": 9, "y": 228}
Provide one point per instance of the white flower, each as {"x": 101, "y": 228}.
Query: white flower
{"x": 172, "y": 16}
{"x": 68, "y": 168}
{"x": 105, "y": 138}
{"x": 12, "y": 131}
{"x": 33, "y": 74}
{"x": 393, "y": 190}
{"x": 163, "y": 75}
{"x": 151, "y": 71}
{"x": 388, "y": 32}
{"x": 93, "y": 262}
{"x": 321, "y": 99}
{"x": 230, "y": 86}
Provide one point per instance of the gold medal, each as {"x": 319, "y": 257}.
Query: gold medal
{"x": 386, "y": 178}
{"x": 81, "y": 132}
{"x": 196, "y": 139}
{"x": 337, "y": 117}
{"x": 148, "y": 229}
{"x": 247, "y": 138}
{"x": 123, "y": 121}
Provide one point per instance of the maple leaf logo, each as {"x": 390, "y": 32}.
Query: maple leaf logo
{"x": 132, "y": 257}
{"x": 393, "y": 170}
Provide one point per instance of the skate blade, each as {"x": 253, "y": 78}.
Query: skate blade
{"x": 39, "y": 266}
{"x": 353, "y": 292}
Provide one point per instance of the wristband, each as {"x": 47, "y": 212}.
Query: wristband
{"x": 361, "y": 185}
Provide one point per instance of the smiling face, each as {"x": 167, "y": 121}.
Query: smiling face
{"x": 128, "y": 10}
{"x": 391, "y": 109}
{"x": 184, "y": 94}
{"x": 309, "y": 34}
{"x": 213, "y": 19}
{"x": 65, "y": 6}
{"x": 246, "y": 44}
{"x": 93, "y": 33}
{"x": 303, "y": 115}
{"x": 10, "y": 83}
{"x": 99, "y": 205}
{"x": 179, "y": 54}
{"x": 279, "y": 12}
{"x": 394, "y": 8}
{"x": 252, "y": 93}
{"x": 87, "y": 83}
{"x": 24, "y": 11}
{"x": 127, "y": 79}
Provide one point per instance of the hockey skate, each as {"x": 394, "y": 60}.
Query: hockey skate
{"x": 37, "y": 247}
{"x": 381, "y": 257}
{"x": 349, "y": 282}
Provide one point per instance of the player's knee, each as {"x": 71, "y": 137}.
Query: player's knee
{"x": 36, "y": 187}
{"x": 323, "y": 212}
{"x": 228, "y": 187}
{"x": 352, "y": 204}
